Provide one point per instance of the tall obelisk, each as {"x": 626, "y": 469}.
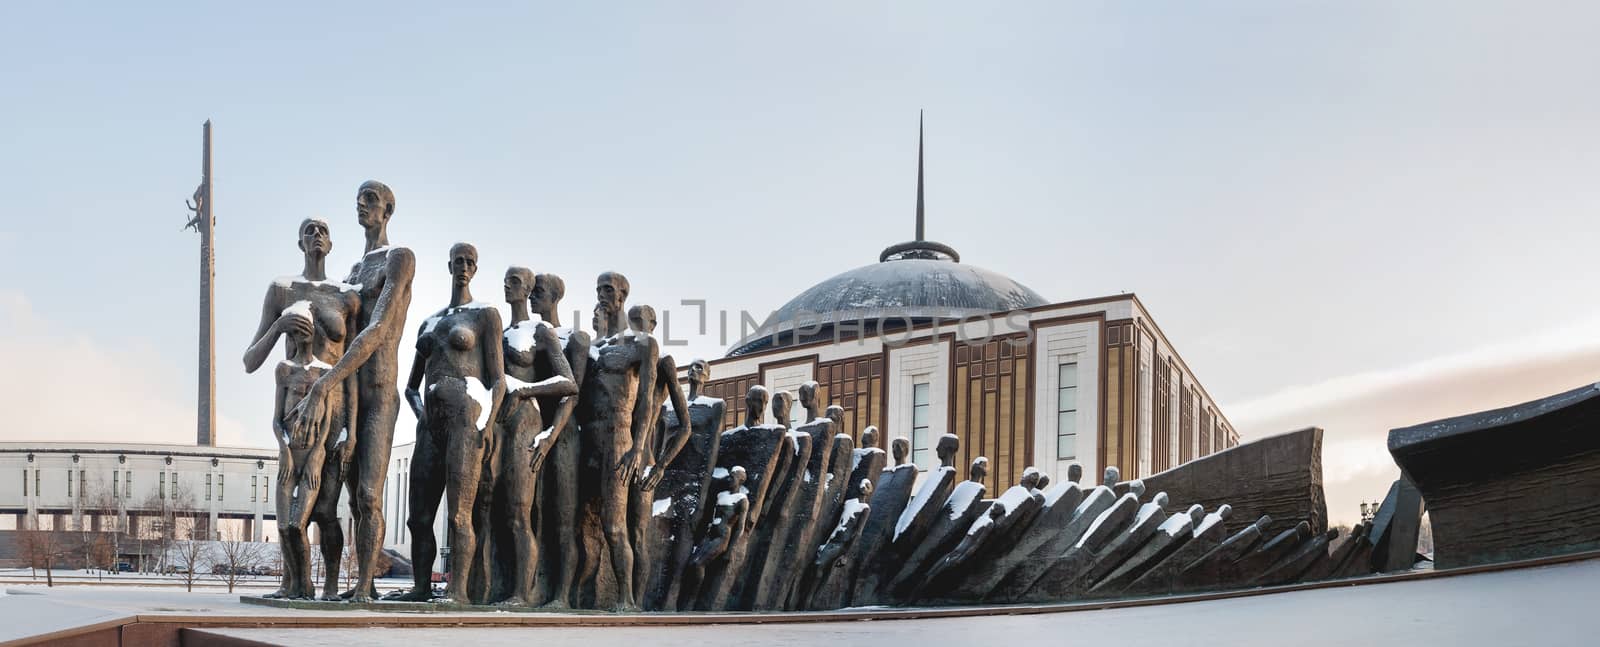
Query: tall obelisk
{"x": 206, "y": 411}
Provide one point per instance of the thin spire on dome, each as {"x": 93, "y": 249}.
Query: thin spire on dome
{"x": 919, "y": 177}
{"x": 920, "y": 247}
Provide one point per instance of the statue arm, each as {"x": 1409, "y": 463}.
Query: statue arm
{"x": 419, "y": 370}
{"x": 280, "y": 432}
{"x": 494, "y": 363}
{"x": 267, "y": 331}
{"x": 667, "y": 379}
{"x": 559, "y": 385}
{"x": 644, "y": 404}
{"x": 352, "y": 404}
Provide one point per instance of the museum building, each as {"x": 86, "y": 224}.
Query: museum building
{"x": 214, "y": 492}
{"x": 921, "y": 344}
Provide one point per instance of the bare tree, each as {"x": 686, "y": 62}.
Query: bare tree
{"x": 191, "y": 558}
{"x": 44, "y": 549}
{"x": 236, "y": 557}
{"x": 99, "y": 533}
{"x": 170, "y": 517}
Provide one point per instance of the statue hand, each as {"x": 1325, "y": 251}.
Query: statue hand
{"x": 539, "y": 454}
{"x": 294, "y": 324}
{"x": 652, "y": 479}
{"x": 628, "y": 467}
{"x": 415, "y": 399}
{"x": 311, "y": 414}
{"x": 346, "y": 450}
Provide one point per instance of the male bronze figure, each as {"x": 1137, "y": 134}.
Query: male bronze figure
{"x": 615, "y": 409}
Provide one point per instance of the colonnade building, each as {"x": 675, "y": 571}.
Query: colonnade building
{"x": 921, "y": 344}
{"x": 215, "y": 492}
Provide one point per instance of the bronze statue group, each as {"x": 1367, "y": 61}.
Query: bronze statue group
{"x": 576, "y": 473}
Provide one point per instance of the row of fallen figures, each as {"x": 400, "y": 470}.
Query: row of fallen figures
{"x": 758, "y": 542}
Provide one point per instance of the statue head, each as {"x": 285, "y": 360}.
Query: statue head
{"x": 1112, "y": 476}
{"x": 1044, "y": 481}
{"x": 1224, "y": 511}
{"x": 782, "y": 402}
{"x": 735, "y": 478}
{"x": 869, "y": 437}
{"x": 519, "y": 283}
{"x": 374, "y": 204}
{"x": 463, "y": 263}
{"x": 610, "y": 292}
{"x": 808, "y": 398}
{"x": 642, "y": 319}
{"x": 1196, "y": 513}
{"x": 979, "y": 469}
{"x": 755, "y": 403}
{"x": 1030, "y": 478}
{"x": 900, "y": 448}
{"x": 545, "y": 294}
{"x": 1262, "y": 523}
{"x": 699, "y": 372}
{"x": 948, "y": 445}
{"x": 1160, "y": 499}
{"x": 314, "y": 238}
{"x": 866, "y": 490}
{"x": 996, "y": 511}
{"x": 836, "y": 414}
{"x": 1136, "y": 486}
{"x": 1075, "y": 473}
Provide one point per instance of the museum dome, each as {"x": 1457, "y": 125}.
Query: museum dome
{"x": 892, "y": 293}
{"x": 912, "y": 283}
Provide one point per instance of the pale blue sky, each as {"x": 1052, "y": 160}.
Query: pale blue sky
{"x": 1301, "y": 192}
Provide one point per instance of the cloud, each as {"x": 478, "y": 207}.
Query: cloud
{"x": 64, "y": 385}
{"x": 1357, "y": 411}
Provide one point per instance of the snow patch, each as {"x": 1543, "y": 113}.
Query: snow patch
{"x": 962, "y": 497}
{"x": 543, "y": 436}
{"x": 476, "y": 391}
{"x": 719, "y": 473}
{"x": 917, "y": 502}
{"x": 661, "y": 507}
{"x": 1101, "y": 519}
{"x": 1175, "y": 525}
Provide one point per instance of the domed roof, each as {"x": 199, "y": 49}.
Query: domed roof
{"x": 914, "y": 283}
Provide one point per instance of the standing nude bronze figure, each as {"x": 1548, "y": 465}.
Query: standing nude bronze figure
{"x": 558, "y": 496}
{"x": 316, "y": 315}
{"x": 616, "y": 410}
{"x": 383, "y": 280}
{"x": 524, "y": 437}
{"x": 659, "y": 450}
{"x": 459, "y": 360}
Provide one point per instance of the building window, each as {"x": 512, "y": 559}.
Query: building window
{"x": 1067, "y": 411}
{"x": 116, "y": 484}
{"x": 24, "y": 482}
{"x": 82, "y": 480}
{"x": 220, "y": 485}
{"x": 163, "y": 491}
{"x": 36, "y": 490}
{"x": 254, "y": 481}
{"x": 922, "y": 454}
{"x": 266, "y": 489}
{"x": 127, "y": 484}
{"x": 69, "y": 484}
{"x": 208, "y": 487}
